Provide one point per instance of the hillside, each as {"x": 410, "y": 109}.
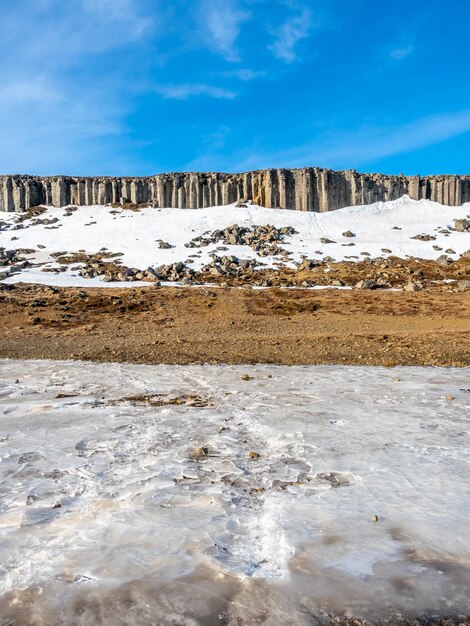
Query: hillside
{"x": 82, "y": 246}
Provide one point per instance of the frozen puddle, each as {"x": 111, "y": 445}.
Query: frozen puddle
{"x": 185, "y": 495}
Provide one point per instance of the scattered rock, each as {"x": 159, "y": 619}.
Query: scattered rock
{"x": 366, "y": 284}
{"x": 309, "y": 264}
{"x": 444, "y": 260}
{"x": 424, "y": 237}
{"x": 230, "y": 266}
{"x": 262, "y": 239}
{"x": 412, "y": 287}
{"x": 164, "y": 245}
{"x": 462, "y": 225}
{"x": 463, "y": 285}
{"x": 197, "y": 454}
{"x": 348, "y": 233}
{"x": 253, "y": 455}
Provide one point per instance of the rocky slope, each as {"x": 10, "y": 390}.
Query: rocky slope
{"x": 307, "y": 189}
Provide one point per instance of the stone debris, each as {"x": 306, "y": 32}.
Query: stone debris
{"x": 424, "y": 237}
{"x": 412, "y": 287}
{"x": 199, "y": 453}
{"x": 309, "y": 264}
{"x": 174, "y": 272}
{"x": 443, "y": 259}
{"x": 369, "y": 283}
{"x": 9, "y": 257}
{"x": 164, "y": 245}
{"x": 94, "y": 266}
{"x": 381, "y": 273}
{"x": 230, "y": 266}
{"x": 13, "y": 261}
{"x": 263, "y": 240}
{"x": 348, "y": 233}
{"x": 365, "y": 284}
{"x": 462, "y": 226}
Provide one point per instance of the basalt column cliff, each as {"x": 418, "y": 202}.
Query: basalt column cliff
{"x": 307, "y": 189}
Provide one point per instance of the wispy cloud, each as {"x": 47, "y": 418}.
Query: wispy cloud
{"x": 287, "y": 36}
{"x": 72, "y": 31}
{"x": 244, "y": 74}
{"x": 16, "y": 93}
{"x": 365, "y": 145}
{"x": 400, "y": 53}
{"x": 121, "y": 13}
{"x": 55, "y": 107}
{"x": 220, "y": 25}
{"x": 188, "y": 90}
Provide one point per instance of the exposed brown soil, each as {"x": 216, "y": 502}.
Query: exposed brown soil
{"x": 233, "y": 325}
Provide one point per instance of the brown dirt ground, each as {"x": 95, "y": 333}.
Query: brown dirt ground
{"x": 233, "y": 325}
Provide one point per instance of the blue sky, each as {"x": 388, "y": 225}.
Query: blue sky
{"x": 137, "y": 87}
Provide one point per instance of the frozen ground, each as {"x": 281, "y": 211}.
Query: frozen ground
{"x": 384, "y": 225}
{"x": 105, "y": 517}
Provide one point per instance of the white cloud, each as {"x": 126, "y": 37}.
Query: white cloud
{"x": 121, "y": 14}
{"x": 347, "y": 149}
{"x": 17, "y": 92}
{"x": 187, "y": 90}
{"x": 289, "y": 34}
{"x": 220, "y": 25}
{"x": 244, "y": 74}
{"x": 400, "y": 53}
{"x": 55, "y": 107}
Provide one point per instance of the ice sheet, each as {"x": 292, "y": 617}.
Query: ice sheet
{"x": 103, "y": 512}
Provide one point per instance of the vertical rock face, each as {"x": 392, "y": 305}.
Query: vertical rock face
{"x": 307, "y": 189}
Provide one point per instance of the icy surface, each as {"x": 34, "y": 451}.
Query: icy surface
{"x": 383, "y": 225}
{"x": 101, "y": 493}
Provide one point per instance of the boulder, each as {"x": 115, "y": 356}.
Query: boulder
{"x": 366, "y": 284}
{"x": 443, "y": 259}
{"x": 412, "y": 287}
{"x": 462, "y": 225}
